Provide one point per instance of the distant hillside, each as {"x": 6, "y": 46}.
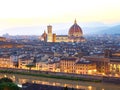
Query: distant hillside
{"x": 63, "y": 28}
{"x": 93, "y": 30}
{"x": 111, "y": 30}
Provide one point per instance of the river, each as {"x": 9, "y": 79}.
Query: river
{"x": 19, "y": 79}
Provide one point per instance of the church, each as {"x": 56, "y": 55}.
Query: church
{"x": 75, "y": 34}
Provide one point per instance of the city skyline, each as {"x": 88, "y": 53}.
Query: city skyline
{"x": 54, "y": 42}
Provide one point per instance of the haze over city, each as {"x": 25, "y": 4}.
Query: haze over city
{"x": 31, "y": 17}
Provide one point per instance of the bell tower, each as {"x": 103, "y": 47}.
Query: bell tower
{"x": 50, "y": 36}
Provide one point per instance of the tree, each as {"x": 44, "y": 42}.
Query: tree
{"x": 7, "y": 84}
{"x": 2, "y": 80}
{"x": 66, "y": 88}
{"x": 17, "y": 64}
{"x": 30, "y": 66}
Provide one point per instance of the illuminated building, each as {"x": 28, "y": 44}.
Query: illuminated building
{"x": 49, "y": 35}
{"x": 85, "y": 67}
{"x": 42, "y": 65}
{"x": 62, "y": 38}
{"x": 10, "y": 45}
{"x": 44, "y": 37}
{"x": 67, "y": 65}
{"x": 75, "y": 34}
{"x": 53, "y": 66}
{"x": 115, "y": 66}
{"x": 102, "y": 64}
{"x": 6, "y": 61}
{"x": 22, "y": 62}
{"x": 54, "y": 37}
{"x": 74, "y": 65}
{"x": 2, "y": 39}
{"x": 5, "y": 44}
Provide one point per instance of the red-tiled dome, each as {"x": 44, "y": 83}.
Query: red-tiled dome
{"x": 75, "y": 30}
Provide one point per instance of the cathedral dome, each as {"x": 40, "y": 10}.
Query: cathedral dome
{"x": 75, "y": 30}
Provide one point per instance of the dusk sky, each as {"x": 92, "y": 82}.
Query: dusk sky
{"x": 22, "y": 13}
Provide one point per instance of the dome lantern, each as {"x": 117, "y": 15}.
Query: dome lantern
{"x": 75, "y": 22}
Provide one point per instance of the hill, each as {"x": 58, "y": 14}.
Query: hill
{"x": 111, "y": 30}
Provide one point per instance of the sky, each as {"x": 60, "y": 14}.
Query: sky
{"x": 24, "y": 13}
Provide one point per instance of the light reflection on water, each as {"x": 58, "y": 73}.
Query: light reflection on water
{"x": 19, "y": 79}
{"x": 52, "y": 83}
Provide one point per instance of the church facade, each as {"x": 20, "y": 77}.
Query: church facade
{"x": 75, "y": 34}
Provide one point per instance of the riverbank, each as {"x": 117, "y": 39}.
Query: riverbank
{"x": 47, "y": 75}
{"x": 61, "y": 75}
{"x": 20, "y": 79}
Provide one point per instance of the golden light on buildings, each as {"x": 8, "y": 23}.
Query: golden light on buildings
{"x": 33, "y": 81}
{"x": 65, "y": 85}
{"x": 13, "y": 76}
{"x": 5, "y": 75}
{"x": 54, "y": 37}
{"x": 54, "y": 84}
{"x": 89, "y": 71}
{"x": 110, "y": 75}
{"x": 77, "y": 72}
{"x": 45, "y": 82}
{"x": 75, "y": 34}
{"x": 103, "y": 74}
{"x": 115, "y": 67}
{"x": 65, "y": 71}
{"x": 77, "y": 86}
{"x": 116, "y": 75}
{"x": 95, "y": 70}
{"x": 89, "y": 87}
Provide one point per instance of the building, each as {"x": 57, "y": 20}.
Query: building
{"x": 77, "y": 66}
{"x": 67, "y": 65}
{"x": 62, "y": 38}
{"x": 85, "y": 67}
{"x": 53, "y": 66}
{"x": 2, "y": 39}
{"x": 50, "y": 34}
{"x": 44, "y": 37}
{"x": 54, "y": 37}
{"x": 23, "y": 62}
{"x": 6, "y": 61}
{"x": 42, "y": 66}
{"x": 102, "y": 64}
{"x": 115, "y": 66}
{"x": 75, "y": 34}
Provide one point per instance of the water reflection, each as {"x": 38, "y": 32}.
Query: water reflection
{"x": 52, "y": 83}
{"x": 19, "y": 79}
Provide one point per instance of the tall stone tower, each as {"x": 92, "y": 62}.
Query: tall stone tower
{"x": 50, "y": 35}
{"x": 54, "y": 37}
